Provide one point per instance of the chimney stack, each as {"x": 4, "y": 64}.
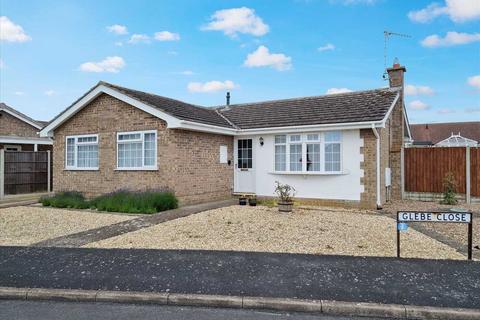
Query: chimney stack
{"x": 228, "y": 98}
{"x": 395, "y": 74}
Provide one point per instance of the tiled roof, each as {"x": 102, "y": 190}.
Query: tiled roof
{"x": 3, "y": 106}
{"x": 176, "y": 108}
{"x": 361, "y": 106}
{"x": 432, "y": 133}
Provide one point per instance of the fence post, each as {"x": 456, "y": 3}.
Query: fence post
{"x": 467, "y": 178}
{"x": 402, "y": 172}
{"x": 48, "y": 171}
{"x": 2, "y": 173}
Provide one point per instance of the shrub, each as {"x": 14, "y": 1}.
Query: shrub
{"x": 136, "y": 202}
{"x": 284, "y": 192}
{"x": 68, "y": 199}
{"x": 449, "y": 188}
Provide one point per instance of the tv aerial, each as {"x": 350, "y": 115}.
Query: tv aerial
{"x": 386, "y": 37}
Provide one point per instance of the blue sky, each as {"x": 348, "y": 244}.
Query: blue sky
{"x": 53, "y": 51}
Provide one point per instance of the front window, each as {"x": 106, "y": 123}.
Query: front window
{"x": 137, "y": 150}
{"x": 313, "y": 152}
{"x": 82, "y": 152}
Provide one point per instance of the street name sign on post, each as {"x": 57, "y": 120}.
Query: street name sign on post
{"x": 403, "y": 217}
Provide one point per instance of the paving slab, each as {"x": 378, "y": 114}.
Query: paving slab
{"x": 421, "y": 282}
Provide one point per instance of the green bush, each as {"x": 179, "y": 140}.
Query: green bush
{"x": 449, "y": 189}
{"x": 68, "y": 199}
{"x": 121, "y": 201}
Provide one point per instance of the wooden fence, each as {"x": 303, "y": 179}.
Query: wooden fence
{"x": 25, "y": 172}
{"x": 425, "y": 169}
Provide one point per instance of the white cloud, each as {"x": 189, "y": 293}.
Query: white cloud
{"x": 119, "y": 43}
{"x": 117, "y": 29}
{"x": 457, "y": 11}
{"x": 474, "y": 81}
{"x": 166, "y": 36}
{"x": 338, "y": 90}
{"x": 445, "y": 111}
{"x": 50, "y": 93}
{"x": 418, "y": 105}
{"x": 263, "y": 58}
{"x": 211, "y": 86}
{"x": 109, "y": 64}
{"x": 237, "y": 20}
{"x": 452, "y": 38}
{"x": 326, "y": 47}
{"x": 19, "y": 93}
{"x": 139, "y": 38}
{"x": 12, "y": 32}
{"x": 411, "y": 90}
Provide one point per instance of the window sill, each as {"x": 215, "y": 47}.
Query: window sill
{"x": 80, "y": 169}
{"x": 309, "y": 173}
{"x": 137, "y": 169}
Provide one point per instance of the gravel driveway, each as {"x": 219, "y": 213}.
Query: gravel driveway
{"x": 27, "y": 225}
{"x": 318, "y": 231}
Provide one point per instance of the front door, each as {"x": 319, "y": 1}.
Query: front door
{"x": 244, "y": 170}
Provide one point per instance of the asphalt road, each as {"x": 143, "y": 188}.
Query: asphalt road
{"x": 47, "y": 310}
{"x": 438, "y": 283}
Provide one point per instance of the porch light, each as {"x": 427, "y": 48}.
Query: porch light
{"x": 261, "y": 141}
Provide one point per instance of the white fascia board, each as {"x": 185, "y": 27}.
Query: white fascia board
{"x": 390, "y": 109}
{"x": 25, "y": 140}
{"x": 48, "y": 130}
{"x": 33, "y": 124}
{"x": 311, "y": 128}
{"x": 195, "y": 126}
{"x": 405, "y": 117}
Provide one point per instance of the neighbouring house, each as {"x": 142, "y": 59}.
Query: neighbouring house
{"x": 451, "y": 134}
{"x": 19, "y": 132}
{"x": 336, "y": 149}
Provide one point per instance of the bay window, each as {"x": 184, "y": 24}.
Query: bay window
{"x": 313, "y": 152}
{"x": 81, "y": 152}
{"x": 137, "y": 150}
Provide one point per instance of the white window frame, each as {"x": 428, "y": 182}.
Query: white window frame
{"x": 142, "y": 140}
{"x": 304, "y": 141}
{"x": 75, "y": 151}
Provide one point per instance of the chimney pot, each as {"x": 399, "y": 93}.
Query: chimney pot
{"x": 228, "y": 98}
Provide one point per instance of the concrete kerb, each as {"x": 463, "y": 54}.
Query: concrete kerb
{"x": 238, "y": 302}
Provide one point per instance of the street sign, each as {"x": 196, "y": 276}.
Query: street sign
{"x": 456, "y": 216}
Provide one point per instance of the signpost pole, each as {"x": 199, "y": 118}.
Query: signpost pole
{"x": 398, "y": 239}
{"x": 470, "y": 236}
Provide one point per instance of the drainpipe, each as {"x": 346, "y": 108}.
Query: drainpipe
{"x": 375, "y": 132}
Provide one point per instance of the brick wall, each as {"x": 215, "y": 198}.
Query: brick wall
{"x": 188, "y": 161}
{"x": 12, "y": 126}
{"x": 368, "y": 198}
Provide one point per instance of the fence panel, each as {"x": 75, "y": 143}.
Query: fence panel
{"x": 26, "y": 171}
{"x": 425, "y": 169}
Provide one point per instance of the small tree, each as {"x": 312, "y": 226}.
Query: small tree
{"x": 449, "y": 189}
{"x": 285, "y": 192}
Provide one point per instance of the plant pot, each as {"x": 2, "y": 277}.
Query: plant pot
{"x": 242, "y": 201}
{"x": 252, "y": 202}
{"x": 285, "y": 206}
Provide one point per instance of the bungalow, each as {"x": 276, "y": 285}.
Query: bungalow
{"x": 342, "y": 148}
{"x": 18, "y": 132}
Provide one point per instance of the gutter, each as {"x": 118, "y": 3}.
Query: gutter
{"x": 377, "y": 136}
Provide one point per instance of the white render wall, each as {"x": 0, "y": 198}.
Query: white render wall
{"x": 345, "y": 186}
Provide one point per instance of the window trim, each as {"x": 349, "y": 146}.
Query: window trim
{"x": 153, "y": 167}
{"x": 75, "y": 151}
{"x": 303, "y": 142}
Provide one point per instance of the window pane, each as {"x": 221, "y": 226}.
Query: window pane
{"x": 87, "y": 156}
{"x": 280, "y": 158}
{"x": 295, "y": 138}
{"x": 313, "y": 137}
{"x": 313, "y": 157}
{"x": 333, "y": 136}
{"x": 149, "y": 149}
{"x": 295, "y": 157}
{"x": 280, "y": 139}
{"x": 70, "y": 161}
{"x": 332, "y": 157}
{"x": 130, "y": 155}
{"x": 244, "y": 153}
{"x": 129, "y": 136}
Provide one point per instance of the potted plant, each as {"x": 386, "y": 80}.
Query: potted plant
{"x": 252, "y": 201}
{"x": 285, "y": 195}
{"x": 242, "y": 200}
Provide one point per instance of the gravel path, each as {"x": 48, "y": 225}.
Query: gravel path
{"x": 319, "y": 231}
{"x": 27, "y": 225}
